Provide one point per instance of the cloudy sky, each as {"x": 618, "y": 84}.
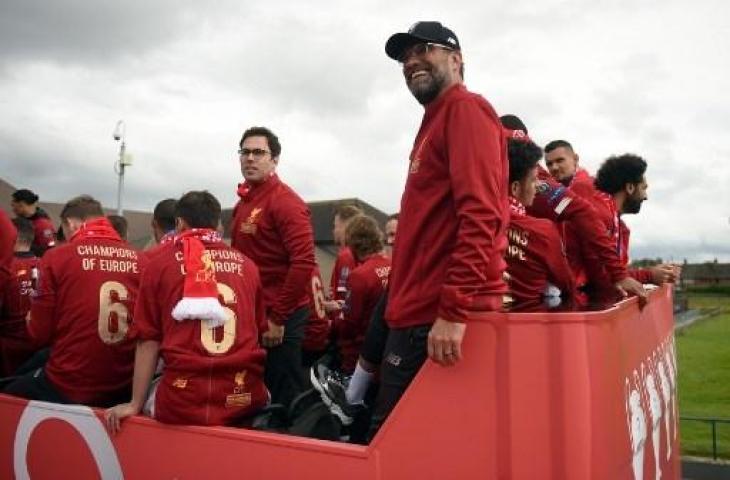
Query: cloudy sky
{"x": 188, "y": 77}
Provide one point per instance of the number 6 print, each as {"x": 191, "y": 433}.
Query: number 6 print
{"x": 207, "y": 334}
{"x": 113, "y": 314}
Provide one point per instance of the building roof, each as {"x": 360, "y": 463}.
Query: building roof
{"x": 322, "y": 214}
{"x": 139, "y": 232}
{"x": 706, "y": 271}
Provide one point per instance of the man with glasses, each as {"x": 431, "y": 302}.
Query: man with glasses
{"x": 448, "y": 254}
{"x": 271, "y": 225}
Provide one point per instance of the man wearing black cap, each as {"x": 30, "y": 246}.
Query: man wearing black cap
{"x": 25, "y": 205}
{"x": 448, "y": 254}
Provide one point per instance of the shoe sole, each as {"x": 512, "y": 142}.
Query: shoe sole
{"x": 331, "y": 404}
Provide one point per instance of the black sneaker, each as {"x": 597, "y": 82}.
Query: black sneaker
{"x": 332, "y": 385}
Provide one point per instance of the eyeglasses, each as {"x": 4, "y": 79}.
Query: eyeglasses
{"x": 419, "y": 49}
{"x": 256, "y": 152}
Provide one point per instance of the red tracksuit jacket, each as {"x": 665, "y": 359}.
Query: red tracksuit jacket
{"x": 344, "y": 264}
{"x": 535, "y": 257}
{"x": 15, "y": 344}
{"x": 271, "y": 226}
{"x": 619, "y": 237}
{"x": 448, "y": 254}
{"x": 8, "y": 234}
{"x": 586, "y": 244}
{"x": 211, "y": 376}
{"x": 83, "y": 309}
{"x": 45, "y": 232}
{"x": 365, "y": 285}
{"x": 317, "y": 331}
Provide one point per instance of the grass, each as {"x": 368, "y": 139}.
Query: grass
{"x": 703, "y": 352}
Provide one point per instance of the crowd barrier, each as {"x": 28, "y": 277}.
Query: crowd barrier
{"x": 560, "y": 396}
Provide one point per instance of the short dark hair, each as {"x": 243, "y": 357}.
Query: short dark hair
{"x": 26, "y": 234}
{"x": 557, "y": 144}
{"x": 513, "y": 122}
{"x": 26, "y": 196}
{"x": 164, "y": 214}
{"x": 120, "y": 224}
{"x": 393, "y": 217}
{"x": 82, "y": 207}
{"x": 347, "y": 211}
{"x": 523, "y": 157}
{"x": 199, "y": 209}
{"x": 271, "y": 139}
{"x": 618, "y": 170}
{"x": 363, "y": 236}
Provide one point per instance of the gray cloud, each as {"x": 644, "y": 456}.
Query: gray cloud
{"x": 188, "y": 77}
{"x": 78, "y": 32}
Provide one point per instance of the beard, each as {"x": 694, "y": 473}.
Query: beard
{"x": 427, "y": 89}
{"x": 632, "y": 205}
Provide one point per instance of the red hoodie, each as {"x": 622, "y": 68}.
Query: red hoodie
{"x": 448, "y": 254}
{"x": 535, "y": 257}
{"x": 271, "y": 226}
{"x": 365, "y": 285}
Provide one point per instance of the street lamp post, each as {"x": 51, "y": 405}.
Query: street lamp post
{"x": 119, "y": 135}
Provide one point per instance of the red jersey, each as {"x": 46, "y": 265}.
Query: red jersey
{"x": 83, "y": 310}
{"x": 448, "y": 256}
{"x": 613, "y": 228}
{"x": 582, "y": 232}
{"x": 211, "y": 376}
{"x": 344, "y": 264}
{"x": 317, "y": 331}
{"x": 45, "y": 232}
{"x": 535, "y": 257}
{"x": 365, "y": 285}
{"x": 15, "y": 343}
{"x": 271, "y": 226}
{"x": 8, "y": 234}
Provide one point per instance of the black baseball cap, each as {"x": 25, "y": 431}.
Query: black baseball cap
{"x": 432, "y": 32}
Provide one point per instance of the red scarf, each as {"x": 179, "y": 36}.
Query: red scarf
{"x": 516, "y": 207}
{"x": 245, "y": 189}
{"x": 169, "y": 237}
{"x": 98, "y": 227}
{"x": 200, "y": 290}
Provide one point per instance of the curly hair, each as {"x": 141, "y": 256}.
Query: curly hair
{"x": 618, "y": 170}
{"x": 523, "y": 156}
{"x": 363, "y": 236}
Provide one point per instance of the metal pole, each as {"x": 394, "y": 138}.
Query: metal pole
{"x": 121, "y": 180}
{"x": 714, "y": 440}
